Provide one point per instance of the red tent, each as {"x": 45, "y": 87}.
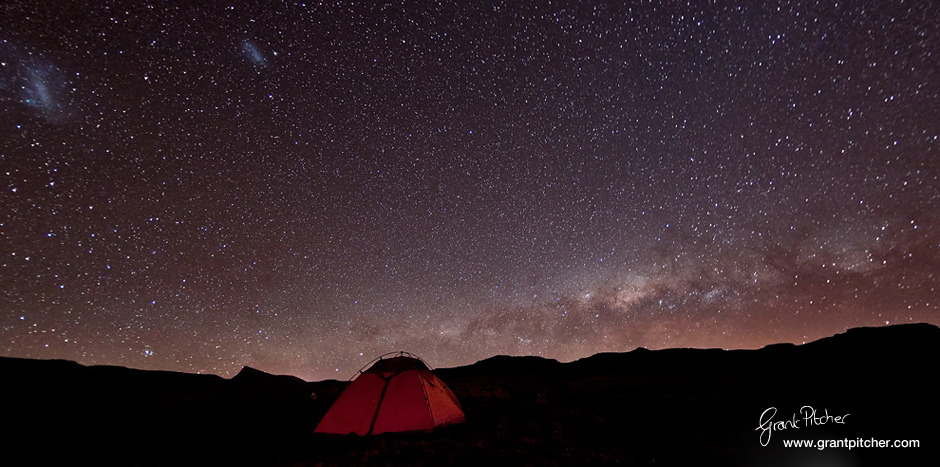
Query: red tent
{"x": 395, "y": 394}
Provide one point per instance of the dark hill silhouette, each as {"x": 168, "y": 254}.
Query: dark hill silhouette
{"x": 505, "y": 364}
{"x": 259, "y": 383}
{"x": 879, "y": 341}
{"x": 645, "y": 407}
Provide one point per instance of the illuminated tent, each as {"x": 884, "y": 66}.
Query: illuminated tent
{"x": 399, "y": 393}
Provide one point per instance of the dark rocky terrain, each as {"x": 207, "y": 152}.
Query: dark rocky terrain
{"x": 666, "y": 407}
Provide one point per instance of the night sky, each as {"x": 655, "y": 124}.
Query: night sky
{"x": 300, "y": 187}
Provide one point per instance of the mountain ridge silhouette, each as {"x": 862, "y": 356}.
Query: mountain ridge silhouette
{"x": 662, "y": 407}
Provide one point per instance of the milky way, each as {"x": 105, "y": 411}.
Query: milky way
{"x": 301, "y": 187}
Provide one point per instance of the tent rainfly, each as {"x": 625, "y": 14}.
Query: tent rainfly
{"x": 395, "y": 394}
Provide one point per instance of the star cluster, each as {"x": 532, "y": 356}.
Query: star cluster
{"x": 298, "y": 187}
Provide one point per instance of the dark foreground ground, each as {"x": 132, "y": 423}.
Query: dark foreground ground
{"x": 659, "y": 408}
